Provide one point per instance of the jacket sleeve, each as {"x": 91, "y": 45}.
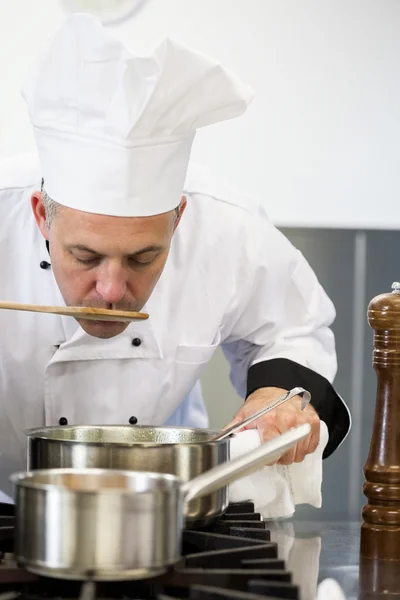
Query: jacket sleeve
{"x": 279, "y": 329}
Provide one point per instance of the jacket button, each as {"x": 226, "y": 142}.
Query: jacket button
{"x": 44, "y": 264}
{"x": 63, "y": 421}
{"x": 136, "y": 342}
{"x": 133, "y": 420}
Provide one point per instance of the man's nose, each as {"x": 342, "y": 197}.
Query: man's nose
{"x": 111, "y": 284}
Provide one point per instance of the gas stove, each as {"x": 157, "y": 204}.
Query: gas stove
{"x": 232, "y": 559}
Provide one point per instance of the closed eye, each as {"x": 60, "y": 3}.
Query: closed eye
{"x": 87, "y": 261}
{"x": 144, "y": 259}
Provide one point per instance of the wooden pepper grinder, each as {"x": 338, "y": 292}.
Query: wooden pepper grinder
{"x": 380, "y": 530}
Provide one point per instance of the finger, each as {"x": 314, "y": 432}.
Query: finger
{"x": 302, "y": 449}
{"x": 252, "y": 425}
{"x": 268, "y": 427}
{"x": 275, "y": 423}
{"x": 287, "y": 420}
{"x": 288, "y": 457}
{"x": 315, "y": 436}
{"x": 236, "y": 419}
{"x": 310, "y": 443}
{"x": 272, "y": 433}
{"x": 229, "y": 425}
{"x": 268, "y": 433}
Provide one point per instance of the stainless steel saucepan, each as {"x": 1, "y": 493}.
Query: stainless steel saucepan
{"x": 176, "y": 450}
{"x": 106, "y": 524}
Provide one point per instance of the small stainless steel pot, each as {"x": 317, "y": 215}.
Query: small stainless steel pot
{"x": 105, "y": 524}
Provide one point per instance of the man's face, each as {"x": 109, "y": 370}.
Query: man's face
{"x": 106, "y": 262}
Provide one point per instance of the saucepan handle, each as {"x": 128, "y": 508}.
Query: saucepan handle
{"x": 227, "y": 473}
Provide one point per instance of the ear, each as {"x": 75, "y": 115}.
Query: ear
{"x": 39, "y": 213}
{"x": 182, "y": 207}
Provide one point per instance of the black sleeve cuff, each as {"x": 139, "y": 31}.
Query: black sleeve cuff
{"x": 287, "y": 374}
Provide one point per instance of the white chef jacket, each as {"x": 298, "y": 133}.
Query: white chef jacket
{"x": 231, "y": 280}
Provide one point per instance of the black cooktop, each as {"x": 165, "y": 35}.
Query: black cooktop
{"x": 233, "y": 559}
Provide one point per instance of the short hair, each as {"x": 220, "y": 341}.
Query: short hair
{"x": 51, "y": 207}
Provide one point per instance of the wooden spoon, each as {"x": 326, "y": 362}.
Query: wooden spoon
{"x": 79, "y": 312}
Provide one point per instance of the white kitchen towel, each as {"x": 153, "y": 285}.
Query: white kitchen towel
{"x": 277, "y": 489}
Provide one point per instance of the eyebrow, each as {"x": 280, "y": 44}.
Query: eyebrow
{"x": 83, "y": 248}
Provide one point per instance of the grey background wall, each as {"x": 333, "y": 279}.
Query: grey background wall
{"x": 353, "y": 267}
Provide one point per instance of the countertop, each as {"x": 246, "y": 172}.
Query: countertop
{"x": 317, "y": 550}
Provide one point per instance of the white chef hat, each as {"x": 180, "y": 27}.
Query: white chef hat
{"x": 113, "y": 130}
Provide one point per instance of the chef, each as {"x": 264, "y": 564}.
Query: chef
{"x": 109, "y": 214}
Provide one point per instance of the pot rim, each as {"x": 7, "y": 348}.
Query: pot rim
{"x": 26, "y": 479}
{"x": 41, "y": 433}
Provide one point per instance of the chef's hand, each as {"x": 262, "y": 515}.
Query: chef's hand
{"x": 281, "y": 419}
